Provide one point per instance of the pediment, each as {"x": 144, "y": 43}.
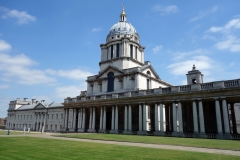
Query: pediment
{"x": 113, "y": 69}
{"x": 149, "y": 68}
{"x": 39, "y": 106}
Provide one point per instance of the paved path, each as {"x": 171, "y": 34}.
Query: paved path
{"x": 160, "y": 146}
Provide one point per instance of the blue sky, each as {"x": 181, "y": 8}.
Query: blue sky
{"x": 48, "y": 48}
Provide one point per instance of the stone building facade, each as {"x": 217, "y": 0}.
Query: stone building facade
{"x": 128, "y": 96}
{"x": 35, "y": 115}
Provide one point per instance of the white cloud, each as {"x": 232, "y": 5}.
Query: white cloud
{"x": 4, "y": 46}
{"x": 202, "y": 63}
{"x": 96, "y": 29}
{"x": 22, "y": 17}
{"x": 157, "y": 49}
{"x": 229, "y": 43}
{"x": 165, "y": 9}
{"x": 202, "y": 14}
{"x": 18, "y": 68}
{"x": 4, "y": 86}
{"x": 233, "y": 24}
{"x": 180, "y": 55}
{"x": 69, "y": 91}
{"x": 75, "y": 74}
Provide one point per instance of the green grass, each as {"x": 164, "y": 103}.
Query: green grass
{"x": 193, "y": 142}
{"x": 40, "y": 148}
{"x": 4, "y": 132}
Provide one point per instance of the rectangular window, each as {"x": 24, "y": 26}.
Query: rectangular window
{"x": 135, "y": 52}
{"x": 61, "y": 116}
{"x": 52, "y": 116}
{"x": 100, "y": 87}
{"x": 111, "y": 51}
{"x": 131, "y": 51}
{"x": 27, "y": 116}
{"x": 107, "y": 52}
{"x": 148, "y": 84}
{"x": 118, "y": 50}
{"x": 56, "y": 116}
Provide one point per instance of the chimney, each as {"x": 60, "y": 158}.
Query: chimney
{"x": 18, "y": 99}
{"x": 42, "y": 101}
{"x": 33, "y": 101}
{"x": 25, "y": 99}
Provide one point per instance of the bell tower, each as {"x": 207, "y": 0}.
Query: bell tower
{"x": 194, "y": 76}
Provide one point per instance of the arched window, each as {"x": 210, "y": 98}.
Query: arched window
{"x": 110, "y": 82}
{"x": 148, "y": 83}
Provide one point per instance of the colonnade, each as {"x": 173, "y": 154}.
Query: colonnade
{"x": 163, "y": 118}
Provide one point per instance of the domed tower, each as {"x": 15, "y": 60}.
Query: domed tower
{"x": 122, "y": 66}
{"x": 122, "y": 48}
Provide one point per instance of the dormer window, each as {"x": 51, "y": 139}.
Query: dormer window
{"x": 119, "y": 29}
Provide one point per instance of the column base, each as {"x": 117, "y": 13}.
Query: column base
{"x": 142, "y": 132}
{"x": 178, "y": 134}
{"x": 127, "y": 132}
{"x": 159, "y": 133}
{"x": 101, "y": 131}
{"x": 224, "y": 136}
{"x": 72, "y": 130}
{"x": 114, "y": 131}
{"x": 81, "y": 130}
{"x": 91, "y": 130}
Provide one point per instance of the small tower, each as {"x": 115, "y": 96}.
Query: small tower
{"x": 123, "y": 16}
{"x": 194, "y": 76}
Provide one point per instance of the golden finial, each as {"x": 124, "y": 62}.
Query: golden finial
{"x": 123, "y": 12}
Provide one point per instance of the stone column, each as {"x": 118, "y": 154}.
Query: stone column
{"x": 201, "y": 118}
{"x": 225, "y": 117}
{"x": 37, "y": 118}
{"x": 83, "y": 121}
{"x": 101, "y": 119}
{"x": 79, "y": 119}
{"x": 40, "y": 120}
{"x": 195, "y": 118}
{"x": 74, "y": 119}
{"x": 174, "y": 118}
{"x": 144, "y": 117}
{"x": 161, "y": 119}
{"x": 125, "y": 119}
{"x": 140, "y": 117}
{"x": 129, "y": 118}
{"x": 112, "y": 124}
{"x": 65, "y": 119}
{"x": 218, "y": 117}
{"x": 136, "y": 81}
{"x": 180, "y": 118}
{"x": 116, "y": 118}
{"x": 90, "y": 120}
{"x": 44, "y": 123}
{"x": 157, "y": 118}
{"x": 104, "y": 119}
{"x": 93, "y": 120}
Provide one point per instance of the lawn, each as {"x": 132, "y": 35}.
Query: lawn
{"x": 193, "y": 142}
{"x": 40, "y": 148}
{"x": 4, "y": 132}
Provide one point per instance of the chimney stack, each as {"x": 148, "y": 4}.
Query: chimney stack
{"x": 33, "y": 101}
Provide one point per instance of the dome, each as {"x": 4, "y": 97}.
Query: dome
{"x": 122, "y": 28}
